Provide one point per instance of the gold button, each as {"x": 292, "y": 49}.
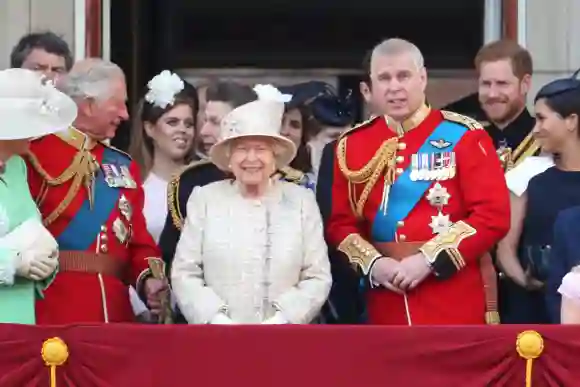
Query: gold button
{"x": 402, "y": 146}
{"x": 103, "y": 237}
{"x": 402, "y": 237}
{"x": 400, "y": 171}
{"x": 400, "y": 159}
{"x": 104, "y": 248}
{"x": 103, "y": 228}
{"x": 400, "y": 223}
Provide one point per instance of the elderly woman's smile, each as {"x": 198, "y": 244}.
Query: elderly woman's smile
{"x": 252, "y": 160}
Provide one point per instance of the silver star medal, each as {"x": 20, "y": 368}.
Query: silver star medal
{"x": 440, "y": 223}
{"x": 438, "y": 196}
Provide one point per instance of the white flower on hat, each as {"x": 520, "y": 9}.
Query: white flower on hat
{"x": 47, "y": 90}
{"x": 163, "y": 88}
{"x": 270, "y": 93}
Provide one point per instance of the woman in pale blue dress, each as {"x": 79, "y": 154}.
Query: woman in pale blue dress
{"x": 29, "y": 108}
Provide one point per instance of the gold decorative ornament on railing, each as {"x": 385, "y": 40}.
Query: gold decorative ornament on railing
{"x": 530, "y": 346}
{"x": 54, "y": 353}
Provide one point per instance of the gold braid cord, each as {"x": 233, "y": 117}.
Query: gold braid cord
{"x": 82, "y": 167}
{"x": 528, "y": 147}
{"x": 173, "y": 193}
{"x": 383, "y": 162}
{"x": 173, "y": 201}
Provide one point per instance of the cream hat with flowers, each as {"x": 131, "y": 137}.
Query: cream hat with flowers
{"x": 259, "y": 118}
{"x": 31, "y": 106}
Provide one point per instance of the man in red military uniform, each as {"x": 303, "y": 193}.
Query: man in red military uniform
{"x": 91, "y": 200}
{"x": 418, "y": 198}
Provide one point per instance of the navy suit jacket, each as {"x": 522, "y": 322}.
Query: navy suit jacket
{"x": 346, "y": 305}
{"x": 565, "y": 254}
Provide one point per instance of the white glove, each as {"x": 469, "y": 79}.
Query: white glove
{"x": 221, "y": 319}
{"x": 36, "y": 264}
{"x": 37, "y": 250}
{"x": 277, "y": 319}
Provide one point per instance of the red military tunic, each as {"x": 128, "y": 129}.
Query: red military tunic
{"x": 104, "y": 245}
{"x": 477, "y": 208}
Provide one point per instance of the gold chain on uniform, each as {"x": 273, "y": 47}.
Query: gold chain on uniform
{"x": 382, "y": 161}
{"x": 83, "y": 165}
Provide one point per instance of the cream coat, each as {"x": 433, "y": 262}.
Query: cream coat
{"x": 251, "y": 257}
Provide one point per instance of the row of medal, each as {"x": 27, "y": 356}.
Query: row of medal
{"x": 118, "y": 176}
{"x": 433, "y": 166}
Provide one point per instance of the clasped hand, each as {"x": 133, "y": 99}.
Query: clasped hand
{"x": 36, "y": 248}
{"x": 157, "y": 295}
{"x": 400, "y": 276}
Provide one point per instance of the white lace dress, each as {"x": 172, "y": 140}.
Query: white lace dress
{"x": 251, "y": 258}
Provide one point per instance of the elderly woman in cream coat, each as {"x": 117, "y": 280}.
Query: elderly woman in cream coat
{"x": 252, "y": 249}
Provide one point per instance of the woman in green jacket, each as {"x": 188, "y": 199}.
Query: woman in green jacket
{"x": 29, "y": 108}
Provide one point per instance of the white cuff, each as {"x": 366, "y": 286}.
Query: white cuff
{"x": 221, "y": 319}
{"x": 372, "y": 283}
{"x": 570, "y": 286}
{"x": 277, "y": 319}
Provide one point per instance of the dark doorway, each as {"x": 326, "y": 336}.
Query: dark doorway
{"x": 150, "y": 35}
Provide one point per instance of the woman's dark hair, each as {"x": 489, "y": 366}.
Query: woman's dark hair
{"x": 302, "y": 161}
{"x": 562, "y": 96}
{"x": 141, "y": 145}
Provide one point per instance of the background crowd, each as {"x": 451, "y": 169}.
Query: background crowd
{"x": 176, "y": 130}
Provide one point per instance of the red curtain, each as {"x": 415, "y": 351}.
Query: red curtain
{"x": 93, "y": 19}
{"x": 321, "y": 356}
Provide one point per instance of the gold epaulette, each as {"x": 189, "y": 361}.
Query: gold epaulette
{"x": 358, "y": 126}
{"x": 528, "y": 147}
{"x": 466, "y": 121}
{"x": 173, "y": 193}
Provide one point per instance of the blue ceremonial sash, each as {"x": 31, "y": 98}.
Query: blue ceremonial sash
{"x": 85, "y": 226}
{"x": 405, "y": 193}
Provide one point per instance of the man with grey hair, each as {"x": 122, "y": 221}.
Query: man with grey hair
{"x": 91, "y": 200}
{"x": 418, "y": 198}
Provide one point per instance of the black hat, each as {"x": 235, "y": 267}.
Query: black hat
{"x": 332, "y": 110}
{"x": 559, "y": 86}
{"x": 304, "y": 93}
{"x": 325, "y": 105}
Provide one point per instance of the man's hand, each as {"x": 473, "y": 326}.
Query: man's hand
{"x": 383, "y": 272}
{"x": 156, "y": 294}
{"x": 411, "y": 272}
